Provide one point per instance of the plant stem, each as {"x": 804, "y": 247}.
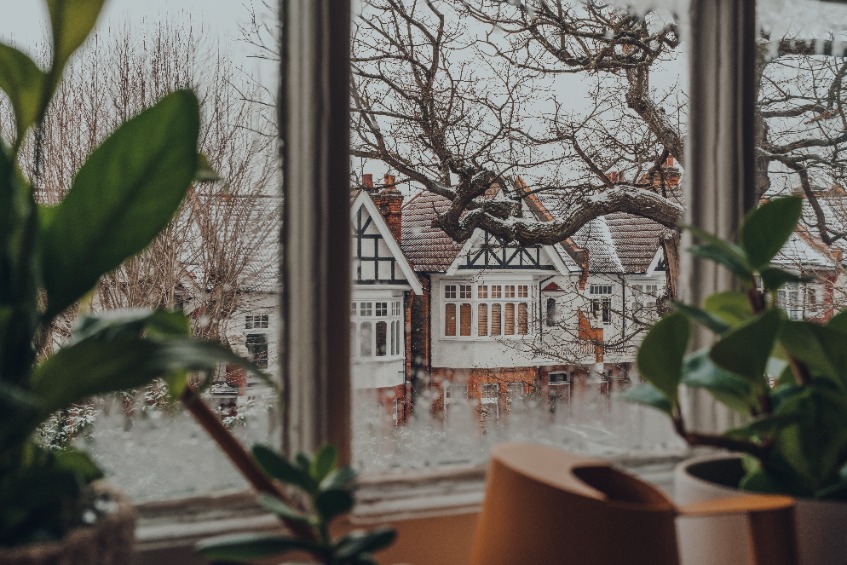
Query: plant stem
{"x": 239, "y": 457}
{"x": 760, "y": 451}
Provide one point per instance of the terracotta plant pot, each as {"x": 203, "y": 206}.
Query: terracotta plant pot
{"x": 108, "y": 542}
{"x": 820, "y": 525}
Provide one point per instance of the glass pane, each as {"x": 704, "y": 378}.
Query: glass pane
{"x": 215, "y": 262}
{"x": 530, "y": 118}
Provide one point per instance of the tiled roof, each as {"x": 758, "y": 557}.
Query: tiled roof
{"x": 596, "y": 237}
{"x": 428, "y": 249}
{"x": 636, "y": 240}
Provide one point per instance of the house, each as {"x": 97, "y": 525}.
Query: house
{"x": 498, "y": 321}
{"x": 383, "y": 281}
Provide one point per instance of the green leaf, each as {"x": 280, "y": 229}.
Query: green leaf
{"x": 22, "y": 413}
{"x": 333, "y": 502}
{"x": 121, "y": 198}
{"x": 72, "y": 22}
{"x": 115, "y": 325}
{"x": 23, "y": 83}
{"x": 358, "y": 542}
{"x": 243, "y": 547}
{"x": 279, "y": 468}
{"x": 702, "y": 317}
{"x": 95, "y": 367}
{"x": 699, "y": 371}
{"x": 762, "y": 427}
{"x": 768, "y": 227}
{"x": 818, "y": 347}
{"x": 745, "y": 349}
{"x": 205, "y": 172}
{"x": 730, "y": 306}
{"x": 324, "y": 462}
{"x": 277, "y": 506}
{"x": 339, "y": 478}
{"x": 838, "y": 322}
{"x": 661, "y": 353}
{"x": 78, "y": 463}
{"x": 647, "y": 394}
{"x": 814, "y": 442}
{"x": 722, "y": 252}
{"x": 774, "y": 278}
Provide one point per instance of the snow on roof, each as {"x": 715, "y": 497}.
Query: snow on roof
{"x": 596, "y": 237}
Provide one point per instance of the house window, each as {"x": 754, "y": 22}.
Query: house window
{"x": 255, "y": 321}
{"x": 552, "y": 318}
{"x": 500, "y": 310}
{"x": 601, "y": 309}
{"x": 380, "y": 328}
{"x": 257, "y": 349}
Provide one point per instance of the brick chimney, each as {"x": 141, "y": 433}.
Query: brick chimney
{"x": 666, "y": 180}
{"x": 368, "y": 182}
{"x": 389, "y": 201}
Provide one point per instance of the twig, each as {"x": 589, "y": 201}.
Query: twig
{"x": 240, "y": 458}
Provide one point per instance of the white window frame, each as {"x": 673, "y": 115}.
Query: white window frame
{"x": 314, "y": 120}
{"x": 467, "y": 292}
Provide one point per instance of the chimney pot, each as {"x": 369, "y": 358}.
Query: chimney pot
{"x": 389, "y": 181}
{"x": 368, "y": 181}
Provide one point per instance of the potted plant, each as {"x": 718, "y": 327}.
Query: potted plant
{"x": 50, "y": 258}
{"x": 327, "y": 493}
{"x": 787, "y": 379}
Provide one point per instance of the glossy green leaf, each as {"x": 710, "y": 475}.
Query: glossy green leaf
{"x": 115, "y": 325}
{"x": 121, "y": 198}
{"x": 838, "y": 322}
{"x": 702, "y": 317}
{"x": 813, "y": 444}
{"x": 699, "y": 371}
{"x": 722, "y": 252}
{"x": 244, "y": 547}
{"x": 95, "y": 367}
{"x": 648, "y": 395}
{"x": 339, "y": 478}
{"x": 730, "y": 306}
{"x": 279, "y": 468}
{"x": 333, "y": 502}
{"x": 23, "y": 83}
{"x": 277, "y": 506}
{"x": 774, "y": 278}
{"x": 661, "y": 353}
{"x": 357, "y": 543}
{"x": 71, "y": 22}
{"x": 324, "y": 462}
{"x": 768, "y": 227}
{"x": 745, "y": 349}
{"x": 820, "y": 348}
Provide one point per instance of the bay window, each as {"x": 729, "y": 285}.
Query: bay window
{"x": 377, "y": 328}
{"x": 486, "y": 310}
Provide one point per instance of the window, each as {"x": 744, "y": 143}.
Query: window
{"x": 601, "y": 309}
{"x": 255, "y": 321}
{"x": 508, "y": 305}
{"x": 380, "y": 328}
{"x": 552, "y": 318}
{"x": 257, "y": 349}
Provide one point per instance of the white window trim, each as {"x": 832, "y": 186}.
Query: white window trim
{"x": 475, "y": 301}
{"x": 314, "y": 117}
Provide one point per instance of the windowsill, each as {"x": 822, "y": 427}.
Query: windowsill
{"x": 168, "y": 530}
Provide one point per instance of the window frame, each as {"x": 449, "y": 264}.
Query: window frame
{"x": 314, "y": 119}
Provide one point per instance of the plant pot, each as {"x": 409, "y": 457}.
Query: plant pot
{"x": 724, "y": 540}
{"x": 107, "y": 542}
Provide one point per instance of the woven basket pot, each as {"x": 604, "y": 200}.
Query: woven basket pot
{"x": 108, "y": 542}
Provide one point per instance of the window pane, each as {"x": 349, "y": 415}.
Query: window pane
{"x": 495, "y": 320}
{"x": 365, "y": 339}
{"x": 465, "y": 317}
{"x": 450, "y": 320}
{"x": 520, "y": 338}
{"x": 482, "y": 320}
{"x": 381, "y": 338}
{"x": 509, "y": 319}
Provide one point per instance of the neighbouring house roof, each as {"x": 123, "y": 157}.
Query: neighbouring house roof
{"x": 428, "y": 248}
{"x": 363, "y": 199}
{"x": 615, "y": 243}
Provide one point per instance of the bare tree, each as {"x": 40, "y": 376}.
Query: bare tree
{"x": 209, "y": 258}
